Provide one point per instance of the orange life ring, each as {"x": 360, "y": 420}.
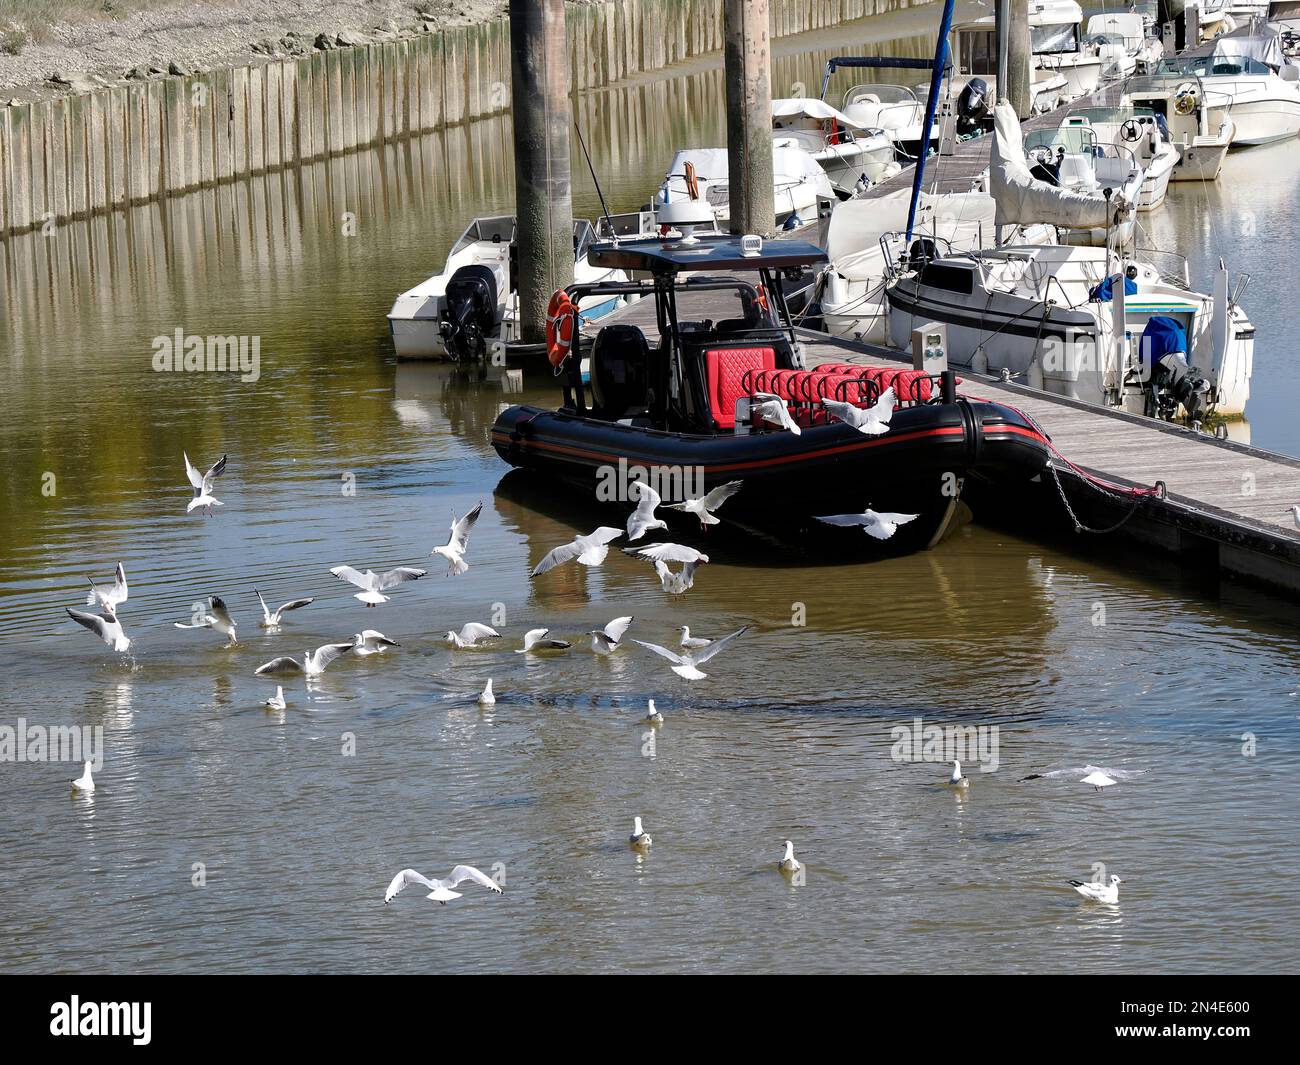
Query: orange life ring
{"x": 561, "y": 324}
{"x": 692, "y": 183}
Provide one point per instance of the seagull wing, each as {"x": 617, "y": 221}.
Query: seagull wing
{"x": 460, "y": 530}
{"x": 705, "y": 653}
{"x": 352, "y": 576}
{"x": 283, "y": 664}
{"x": 665, "y": 552}
{"x": 267, "y": 616}
{"x": 844, "y": 412}
{"x": 397, "y": 576}
{"x": 326, "y": 653}
{"x": 605, "y": 534}
{"x": 663, "y": 652}
{"x": 476, "y": 631}
{"x": 96, "y": 623}
{"x": 845, "y": 520}
{"x": 195, "y": 478}
{"x": 721, "y": 494}
{"x": 292, "y": 604}
{"x": 118, "y": 593}
{"x": 616, "y": 628}
{"x": 402, "y": 879}
{"x": 875, "y": 420}
{"x": 467, "y": 872}
{"x": 220, "y": 612}
{"x": 214, "y": 471}
{"x": 562, "y": 554}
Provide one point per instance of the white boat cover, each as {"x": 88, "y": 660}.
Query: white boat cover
{"x": 789, "y": 164}
{"x": 965, "y": 219}
{"x": 794, "y": 106}
{"x": 1264, "y": 47}
{"x": 1023, "y": 198}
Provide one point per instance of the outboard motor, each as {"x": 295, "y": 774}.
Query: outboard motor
{"x": 469, "y": 313}
{"x": 1170, "y": 382}
{"x": 972, "y": 105}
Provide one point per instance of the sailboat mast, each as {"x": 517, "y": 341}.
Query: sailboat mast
{"x": 936, "y": 81}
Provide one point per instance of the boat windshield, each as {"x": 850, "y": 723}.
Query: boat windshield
{"x": 1104, "y": 116}
{"x": 1213, "y": 66}
{"x": 879, "y": 94}
{"x": 1055, "y": 39}
{"x": 498, "y": 230}
{"x": 583, "y": 238}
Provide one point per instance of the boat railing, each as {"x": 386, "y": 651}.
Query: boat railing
{"x": 1171, "y": 266}
{"x": 923, "y": 249}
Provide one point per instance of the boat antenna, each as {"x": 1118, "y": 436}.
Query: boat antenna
{"x": 596, "y": 181}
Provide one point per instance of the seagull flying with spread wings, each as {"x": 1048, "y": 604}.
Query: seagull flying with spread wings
{"x": 458, "y": 543}
{"x": 590, "y": 550}
{"x": 605, "y": 641}
{"x": 105, "y": 626}
{"x": 871, "y": 421}
{"x": 643, "y": 519}
{"x": 687, "y": 665}
{"x": 313, "y": 662}
{"x": 704, "y": 507}
{"x": 218, "y": 618}
{"x": 271, "y": 618}
{"x": 662, "y": 554}
{"x": 202, "y": 484}
{"x": 880, "y": 525}
{"x": 773, "y": 409}
{"x": 440, "y": 890}
{"x": 107, "y": 599}
{"x": 372, "y": 583}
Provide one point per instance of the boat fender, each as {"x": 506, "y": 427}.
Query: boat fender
{"x": 561, "y": 323}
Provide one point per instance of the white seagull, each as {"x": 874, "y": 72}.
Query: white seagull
{"x": 107, "y": 599}
{"x": 1294, "y": 512}
{"x": 372, "y": 642}
{"x": 605, "y": 641}
{"x": 218, "y": 618}
{"x": 536, "y": 640}
{"x": 590, "y": 550}
{"x": 653, "y": 716}
{"x": 372, "y": 583}
{"x": 470, "y": 635}
{"x": 880, "y": 525}
{"x": 773, "y": 409}
{"x": 957, "y": 780}
{"x": 643, "y": 519}
{"x": 105, "y": 626}
{"x": 485, "y": 697}
{"x": 271, "y": 618}
{"x": 662, "y": 554}
{"x": 85, "y": 782}
{"x": 1097, "y": 776}
{"x": 441, "y": 889}
{"x": 1107, "y": 893}
{"x": 276, "y": 702}
{"x": 704, "y": 507}
{"x": 692, "y": 642}
{"x": 686, "y": 665}
{"x": 789, "y": 863}
{"x": 313, "y": 662}
{"x": 871, "y": 421}
{"x": 458, "y": 543}
{"x": 202, "y": 484}
{"x": 640, "y": 838}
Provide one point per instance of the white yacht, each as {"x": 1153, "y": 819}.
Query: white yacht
{"x": 1197, "y": 119}
{"x": 1088, "y": 134}
{"x": 895, "y": 110}
{"x": 1260, "y": 83}
{"x": 1128, "y": 41}
{"x": 800, "y": 185}
{"x": 472, "y": 303}
{"x": 1054, "y": 41}
{"x": 847, "y": 149}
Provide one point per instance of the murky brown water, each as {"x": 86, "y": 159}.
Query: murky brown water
{"x": 790, "y": 737}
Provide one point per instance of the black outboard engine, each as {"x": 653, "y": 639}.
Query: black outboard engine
{"x": 469, "y": 313}
{"x": 972, "y": 105}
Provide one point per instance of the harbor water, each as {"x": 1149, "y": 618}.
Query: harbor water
{"x": 223, "y": 837}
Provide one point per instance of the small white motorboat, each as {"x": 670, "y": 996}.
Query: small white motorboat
{"x": 1087, "y": 135}
{"x": 1055, "y": 45}
{"x": 847, "y": 149}
{"x": 1128, "y": 41}
{"x": 1197, "y": 119}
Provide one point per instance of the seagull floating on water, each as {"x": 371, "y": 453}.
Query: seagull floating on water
{"x": 653, "y": 716}
{"x": 372, "y": 642}
{"x": 957, "y": 780}
{"x": 774, "y": 410}
{"x": 85, "y": 782}
{"x": 218, "y": 618}
{"x": 372, "y": 583}
{"x": 1107, "y": 893}
{"x": 704, "y": 507}
{"x": 471, "y": 634}
{"x": 107, "y": 599}
{"x": 605, "y": 641}
{"x": 536, "y": 640}
{"x": 871, "y": 421}
{"x": 880, "y": 525}
{"x": 692, "y": 642}
{"x": 276, "y": 702}
{"x": 643, "y": 519}
{"x": 485, "y": 697}
{"x": 271, "y": 618}
{"x": 202, "y": 484}
{"x": 313, "y": 662}
{"x": 458, "y": 543}
{"x": 686, "y": 665}
{"x": 639, "y": 838}
{"x": 441, "y": 889}
{"x": 1097, "y": 776}
{"x": 789, "y": 863}
{"x": 105, "y": 626}
{"x": 590, "y": 550}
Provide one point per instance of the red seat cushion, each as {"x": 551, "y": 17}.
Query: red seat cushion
{"x": 726, "y": 368}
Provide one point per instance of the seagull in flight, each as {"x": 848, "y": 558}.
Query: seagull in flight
{"x": 687, "y": 665}
{"x": 372, "y": 642}
{"x": 1107, "y": 893}
{"x": 870, "y": 421}
{"x": 773, "y": 409}
{"x": 276, "y": 702}
{"x": 1097, "y": 776}
{"x": 590, "y": 550}
{"x": 105, "y": 626}
{"x": 471, "y": 634}
{"x": 692, "y": 642}
{"x": 313, "y": 662}
{"x": 218, "y": 618}
{"x": 605, "y": 641}
{"x": 372, "y": 583}
{"x": 643, "y": 519}
{"x": 704, "y": 507}
{"x": 880, "y": 525}
{"x": 640, "y": 838}
{"x": 107, "y": 599}
{"x": 440, "y": 889}
{"x": 662, "y": 554}
{"x": 458, "y": 543}
{"x": 86, "y": 782}
{"x": 271, "y": 618}
{"x": 202, "y": 484}
{"x": 536, "y": 640}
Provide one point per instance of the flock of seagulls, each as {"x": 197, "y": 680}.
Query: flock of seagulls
{"x": 588, "y": 550}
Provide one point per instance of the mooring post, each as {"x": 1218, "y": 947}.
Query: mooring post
{"x": 1013, "y": 77}
{"x": 748, "y": 62}
{"x": 539, "y": 73}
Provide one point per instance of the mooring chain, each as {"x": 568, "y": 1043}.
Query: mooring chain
{"x": 1078, "y": 525}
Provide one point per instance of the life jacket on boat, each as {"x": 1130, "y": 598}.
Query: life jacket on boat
{"x": 561, "y": 324}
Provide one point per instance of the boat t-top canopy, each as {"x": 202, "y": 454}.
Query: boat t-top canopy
{"x": 705, "y": 252}
{"x": 873, "y": 62}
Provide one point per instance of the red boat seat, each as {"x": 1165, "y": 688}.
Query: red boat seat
{"x": 838, "y": 367}
{"x": 843, "y": 388}
{"x": 727, "y": 369}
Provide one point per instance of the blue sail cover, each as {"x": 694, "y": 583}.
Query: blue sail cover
{"x": 1103, "y": 293}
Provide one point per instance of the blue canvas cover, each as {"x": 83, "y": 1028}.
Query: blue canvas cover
{"x": 1162, "y": 336}
{"x": 1103, "y": 294}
